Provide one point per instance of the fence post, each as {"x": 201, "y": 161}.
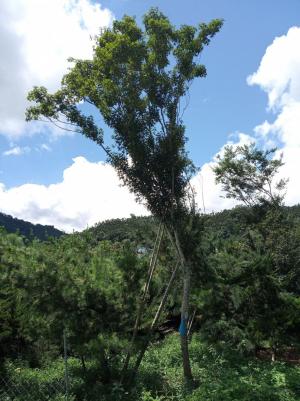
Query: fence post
{"x": 66, "y": 365}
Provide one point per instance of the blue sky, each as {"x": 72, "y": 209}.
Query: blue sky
{"x": 222, "y": 106}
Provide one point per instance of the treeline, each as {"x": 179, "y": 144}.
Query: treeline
{"x": 28, "y": 230}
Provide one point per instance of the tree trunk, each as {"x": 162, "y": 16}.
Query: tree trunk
{"x": 83, "y": 363}
{"x": 105, "y": 368}
{"x": 184, "y": 319}
{"x": 187, "y": 371}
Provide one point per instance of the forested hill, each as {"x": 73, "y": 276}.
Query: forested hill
{"x": 139, "y": 229}
{"x": 28, "y": 230}
{"x": 142, "y": 229}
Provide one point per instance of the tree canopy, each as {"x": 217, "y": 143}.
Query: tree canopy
{"x": 136, "y": 80}
{"x": 247, "y": 174}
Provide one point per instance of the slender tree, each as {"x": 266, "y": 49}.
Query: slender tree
{"x": 137, "y": 80}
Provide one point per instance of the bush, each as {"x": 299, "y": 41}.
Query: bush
{"x": 221, "y": 375}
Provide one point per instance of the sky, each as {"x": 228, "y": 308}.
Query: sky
{"x": 251, "y": 94}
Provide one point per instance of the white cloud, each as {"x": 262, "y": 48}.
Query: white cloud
{"x": 16, "y": 151}
{"x": 88, "y": 193}
{"x": 36, "y": 38}
{"x": 45, "y": 147}
{"x": 279, "y": 76}
{"x": 209, "y": 195}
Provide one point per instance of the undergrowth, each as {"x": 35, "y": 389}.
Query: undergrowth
{"x": 220, "y": 375}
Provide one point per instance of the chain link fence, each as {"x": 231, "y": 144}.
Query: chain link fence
{"x": 12, "y": 389}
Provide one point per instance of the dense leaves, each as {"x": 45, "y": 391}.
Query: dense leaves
{"x": 245, "y": 293}
{"x": 136, "y": 80}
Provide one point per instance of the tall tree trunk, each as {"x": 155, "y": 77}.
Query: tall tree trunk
{"x": 187, "y": 371}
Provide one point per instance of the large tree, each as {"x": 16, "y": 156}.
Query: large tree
{"x": 137, "y": 80}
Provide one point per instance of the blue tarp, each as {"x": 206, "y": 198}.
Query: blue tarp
{"x": 183, "y": 327}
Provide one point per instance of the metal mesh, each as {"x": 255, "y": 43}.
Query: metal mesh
{"x": 22, "y": 390}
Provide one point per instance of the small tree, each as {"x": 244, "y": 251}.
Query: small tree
{"x": 247, "y": 173}
{"x": 255, "y": 299}
{"x": 136, "y": 80}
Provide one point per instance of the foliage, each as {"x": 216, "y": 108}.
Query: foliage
{"x": 246, "y": 174}
{"x": 254, "y": 296}
{"x": 245, "y": 289}
{"x": 90, "y": 289}
{"x": 225, "y": 376}
{"x": 136, "y": 80}
{"x": 244, "y": 264}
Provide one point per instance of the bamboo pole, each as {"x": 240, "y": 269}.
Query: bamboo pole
{"x": 152, "y": 265}
{"x": 156, "y": 319}
{"x": 190, "y": 323}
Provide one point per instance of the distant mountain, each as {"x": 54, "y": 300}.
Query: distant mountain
{"x": 28, "y": 230}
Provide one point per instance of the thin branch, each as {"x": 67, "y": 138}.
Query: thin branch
{"x": 57, "y": 125}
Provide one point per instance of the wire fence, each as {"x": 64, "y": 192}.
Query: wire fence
{"x": 17, "y": 387}
{"x": 26, "y": 390}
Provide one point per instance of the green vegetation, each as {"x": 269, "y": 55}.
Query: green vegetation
{"x": 230, "y": 282}
{"x": 246, "y": 301}
{"x": 137, "y": 80}
{"x": 225, "y": 376}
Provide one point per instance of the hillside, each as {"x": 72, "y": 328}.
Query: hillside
{"x": 28, "y": 230}
{"x": 142, "y": 229}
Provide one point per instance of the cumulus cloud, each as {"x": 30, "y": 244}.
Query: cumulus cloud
{"x": 88, "y": 193}
{"x": 209, "y": 195}
{"x": 279, "y": 76}
{"x": 36, "y": 38}
{"x": 91, "y": 192}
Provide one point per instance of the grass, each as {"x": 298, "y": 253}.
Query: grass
{"x": 221, "y": 376}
